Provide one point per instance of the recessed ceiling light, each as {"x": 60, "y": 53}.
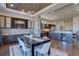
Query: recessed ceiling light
{"x": 33, "y": 11}
{"x": 23, "y": 10}
{"x": 77, "y": 9}
{"x": 75, "y": 3}
{"x": 11, "y": 5}
{"x": 52, "y": 12}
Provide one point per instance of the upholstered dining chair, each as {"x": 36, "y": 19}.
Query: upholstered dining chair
{"x": 23, "y": 47}
{"x": 43, "y": 50}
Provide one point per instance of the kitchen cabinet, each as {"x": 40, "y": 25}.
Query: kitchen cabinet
{"x": 1, "y": 41}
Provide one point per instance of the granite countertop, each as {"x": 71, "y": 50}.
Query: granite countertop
{"x": 62, "y": 32}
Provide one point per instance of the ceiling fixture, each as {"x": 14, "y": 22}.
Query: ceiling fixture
{"x": 11, "y": 5}
{"x": 33, "y": 12}
{"x": 23, "y": 10}
{"x": 77, "y": 6}
{"x": 77, "y": 9}
{"x": 75, "y": 3}
{"x": 52, "y": 12}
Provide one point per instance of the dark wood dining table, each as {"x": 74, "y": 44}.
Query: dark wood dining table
{"x": 34, "y": 43}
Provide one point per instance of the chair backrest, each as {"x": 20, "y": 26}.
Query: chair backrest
{"x": 23, "y": 46}
{"x": 45, "y": 47}
{"x": 46, "y": 38}
{"x": 28, "y": 38}
{"x": 21, "y": 43}
{"x": 19, "y": 40}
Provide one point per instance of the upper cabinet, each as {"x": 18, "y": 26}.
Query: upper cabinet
{"x": 17, "y": 23}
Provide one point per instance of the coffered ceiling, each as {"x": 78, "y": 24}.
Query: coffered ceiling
{"x": 57, "y": 11}
{"x": 27, "y": 7}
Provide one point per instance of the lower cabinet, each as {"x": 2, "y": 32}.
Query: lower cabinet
{"x": 1, "y": 41}
{"x": 10, "y": 39}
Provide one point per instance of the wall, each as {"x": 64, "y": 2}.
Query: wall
{"x": 67, "y": 24}
{"x": 2, "y": 21}
{"x": 76, "y": 23}
{"x": 8, "y": 22}
{"x": 59, "y": 23}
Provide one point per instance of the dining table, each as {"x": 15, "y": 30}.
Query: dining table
{"x": 34, "y": 42}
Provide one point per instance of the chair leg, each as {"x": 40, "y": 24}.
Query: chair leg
{"x": 21, "y": 50}
{"x": 42, "y": 54}
{"x": 36, "y": 53}
{"x": 25, "y": 53}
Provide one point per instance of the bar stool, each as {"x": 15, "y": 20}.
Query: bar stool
{"x": 66, "y": 41}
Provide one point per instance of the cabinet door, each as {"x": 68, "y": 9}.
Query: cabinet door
{"x": 14, "y": 38}
{"x": 5, "y": 39}
{"x": 10, "y": 39}
{"x": 1, "y": 41}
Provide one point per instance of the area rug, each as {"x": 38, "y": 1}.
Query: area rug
{"x": 14, "y": 51}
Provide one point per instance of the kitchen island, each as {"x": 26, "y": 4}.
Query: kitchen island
{"x": 61, "y": 35}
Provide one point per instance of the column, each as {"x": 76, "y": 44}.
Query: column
{"x": 37, "y": 28}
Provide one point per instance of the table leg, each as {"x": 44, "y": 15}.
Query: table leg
{"x": 32, "y": 50}
{"x": 49, "y": 51}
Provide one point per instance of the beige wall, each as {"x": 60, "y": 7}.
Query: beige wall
{"x": 8, "y": 22}
{"x": 2, "y": 21}
{"x": 76, "y": 23}
{"x": 59, "y": 23}
{"x": 67, "y": 24}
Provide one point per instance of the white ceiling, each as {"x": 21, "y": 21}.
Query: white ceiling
{"x": 67, "y": 11}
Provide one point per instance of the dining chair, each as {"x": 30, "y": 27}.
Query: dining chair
{"x": 66, "y": 41}
{"x": 44, "y": 49}
{"x": 46, "y": 38}
{"x": 24, "y": 47}
{"x": 20, "y": 46}
{"x": 77, "y": 39}
{"x": 29, "y": 37}
{"x": 1, "y": 41}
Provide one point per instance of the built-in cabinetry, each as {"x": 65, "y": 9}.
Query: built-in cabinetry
{"x": 61, "y": 35}
{"x": 19, "y": 23}
{"x": 10, "y": 38}
{"x": 11, "y": 28}
{"x": 1, "y": 41}
{"x": 10, "y": 22}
